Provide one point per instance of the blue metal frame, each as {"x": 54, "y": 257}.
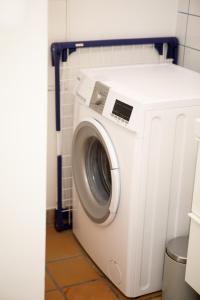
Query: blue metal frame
{"x": 61, "y": 51}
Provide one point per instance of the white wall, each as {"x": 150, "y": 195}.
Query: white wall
{"x": 94, "y": 19}
{"x": 188, "y": 32}
{"x": 57, "y": 31}
{"x": 23, "y": 84}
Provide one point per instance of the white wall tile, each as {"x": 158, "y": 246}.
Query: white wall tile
{"x": 183, "y": 6}
{"x": 67, "y": 110}
{"x": 67, "y": 183}
{"x": 67, "y": 193}
{"x": 67, "y": 203}
{"x": 66, "y": 160}
{"x": 67, "y": 172}
{"x": 67, "y": 141}
{"x": 194, "y": 7}
{"x": 67, "y": 98}
{"x": 181, "y": 55}
{"x": 67, "y": 122}
{"x": 181, "y": 27}
{"x": 189, "y": 50}
{"x": 192, "y": 59}
{"x": 193, "y": 32}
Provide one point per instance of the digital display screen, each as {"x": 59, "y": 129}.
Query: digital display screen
{"x": 122, "y": 110}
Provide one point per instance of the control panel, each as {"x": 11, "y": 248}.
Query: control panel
{"x": 122, "y": 110}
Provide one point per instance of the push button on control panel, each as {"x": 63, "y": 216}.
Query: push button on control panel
{"x": 120, "y": 120}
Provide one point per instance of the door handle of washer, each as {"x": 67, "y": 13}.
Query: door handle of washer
{"x": 106, "y": 141}
{"x": 115, "y": 178}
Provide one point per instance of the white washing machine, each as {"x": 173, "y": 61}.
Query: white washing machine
{"x": 133, "y": 160}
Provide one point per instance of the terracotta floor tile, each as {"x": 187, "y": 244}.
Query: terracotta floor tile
{"x": 52, "y": 233}
{"x": 55, "y": 295}
{"x": 96, "y": 290}
{"x": 77, "y": 270}
{"x": 73, "y": 270}
{"x": 62, "y": 247}
{"x": 49, "y": 285}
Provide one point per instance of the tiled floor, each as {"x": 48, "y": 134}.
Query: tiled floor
{"x": 71, "y": 275}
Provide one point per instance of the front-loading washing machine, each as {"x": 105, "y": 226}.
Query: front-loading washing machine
{"x": 133, "y": 161}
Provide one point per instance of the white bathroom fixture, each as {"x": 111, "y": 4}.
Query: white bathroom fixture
{"x": 133, "y": 160}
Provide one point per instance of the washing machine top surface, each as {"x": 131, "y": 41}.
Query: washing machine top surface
{"x": 149, "y": 84}
{"x": 123, "y": 94}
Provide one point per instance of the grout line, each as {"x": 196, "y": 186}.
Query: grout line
{"x": 67, "y": 128}
{"x": 189, "y": 14}
{"x": 192, "y": 48}
{"x": 113, "y": 288}
{"x": 80, "y": 283}
{"x": 64, "y": 259}
{"x": 67, "y": 189}
{"x": 68, "y": 116}
{"x": 56, "y": 284}
{"x": 195, "y": 49}
{"x": 186, "y": 32}
{"x": 67, "y": 104}
{"x": 51, "y": 290}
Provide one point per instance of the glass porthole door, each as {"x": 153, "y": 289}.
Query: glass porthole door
{"x": 95, "y": 171}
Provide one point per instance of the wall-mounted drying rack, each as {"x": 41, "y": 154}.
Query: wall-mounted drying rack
{"x": 60, "y": 52}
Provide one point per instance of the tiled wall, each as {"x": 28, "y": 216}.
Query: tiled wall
{"x": 188, "y": 32}
{"x": 77, "y": 19}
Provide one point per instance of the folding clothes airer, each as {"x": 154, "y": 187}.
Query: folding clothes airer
{"x": 60, "y": 52}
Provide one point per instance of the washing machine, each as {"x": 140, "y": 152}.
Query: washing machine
{"x": 133, "y": 161}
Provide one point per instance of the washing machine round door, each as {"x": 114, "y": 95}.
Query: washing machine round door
{"x": 95, "y": 171}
